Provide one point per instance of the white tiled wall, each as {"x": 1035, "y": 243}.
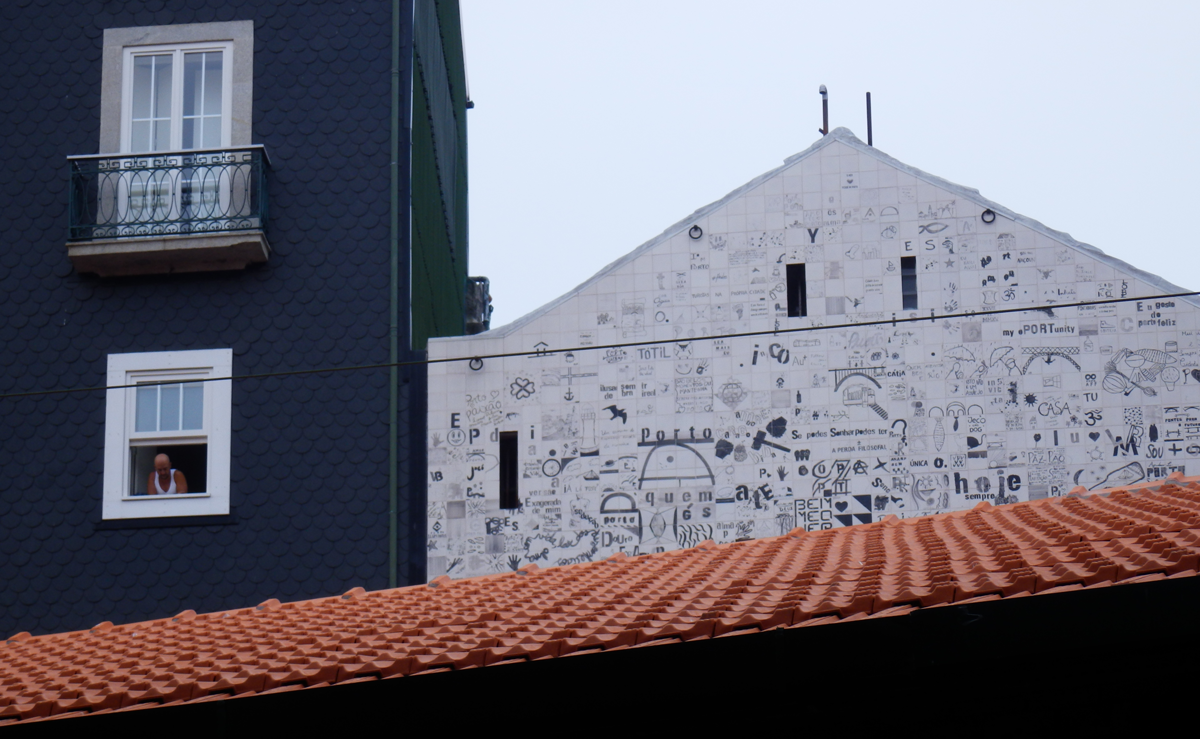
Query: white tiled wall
{"x": 687, "y": 437}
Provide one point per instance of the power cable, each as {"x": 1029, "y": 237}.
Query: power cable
{"x": 932, "y": 317}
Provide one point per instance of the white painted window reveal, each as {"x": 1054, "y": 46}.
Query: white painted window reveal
{"x": 167, "y": 403}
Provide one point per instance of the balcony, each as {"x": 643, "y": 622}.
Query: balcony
{"x": 163, "y": 212}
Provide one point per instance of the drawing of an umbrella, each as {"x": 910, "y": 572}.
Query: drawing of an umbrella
{"x": 961, "y": 354}
{"x": 1003, "y": 355}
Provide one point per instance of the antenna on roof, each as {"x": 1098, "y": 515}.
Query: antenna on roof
{"x": 825, "y": 110}
{"x": 870, "y": 137}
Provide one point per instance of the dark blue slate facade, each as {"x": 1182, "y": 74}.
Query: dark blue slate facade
{"x": 314, "y": 470}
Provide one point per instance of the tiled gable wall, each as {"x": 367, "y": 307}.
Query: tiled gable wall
{"x": 687, "y": 438}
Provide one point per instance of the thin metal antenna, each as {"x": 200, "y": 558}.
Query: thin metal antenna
{"x": 824, "y": 110}
{"x": 870, "y": 137}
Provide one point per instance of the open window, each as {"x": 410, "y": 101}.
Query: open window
{"x": 797, "y": 291}
{"x": 908, "y": 282}
{"x": 167, "y": 434}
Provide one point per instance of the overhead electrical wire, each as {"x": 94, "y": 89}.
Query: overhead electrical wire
{"x": 894, "y": 321}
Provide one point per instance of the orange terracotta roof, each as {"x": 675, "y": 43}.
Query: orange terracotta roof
{"x": 1124, "y": 535}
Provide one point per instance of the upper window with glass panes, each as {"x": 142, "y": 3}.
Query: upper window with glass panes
{"x": 168, "y": 420}
{"x": 176, "y": 97}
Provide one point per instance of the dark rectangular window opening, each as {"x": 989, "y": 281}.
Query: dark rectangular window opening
{"x": 797, "y": 291}
{"x": 509, "y": 499}
{"x": 908, "y": 282}
{"x": 190, "y": 459}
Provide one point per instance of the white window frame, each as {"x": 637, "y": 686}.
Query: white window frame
{"x": 177, "y": 51}
{"x": 119, "y": 436}
{"x": 149, "y": 198}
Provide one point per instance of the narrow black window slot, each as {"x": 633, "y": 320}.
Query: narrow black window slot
{"x": 509, "y": 499}
{"x": 908, "y": 282}
{"x": 797, "y": 291}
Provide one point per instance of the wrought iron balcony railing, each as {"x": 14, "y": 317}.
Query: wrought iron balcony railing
{"x": 115, "y": 196}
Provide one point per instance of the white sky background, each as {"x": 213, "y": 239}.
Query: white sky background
{"x": 599, "y": 124}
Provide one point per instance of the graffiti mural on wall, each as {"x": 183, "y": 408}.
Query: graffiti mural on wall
{"x": 684, "y": 437}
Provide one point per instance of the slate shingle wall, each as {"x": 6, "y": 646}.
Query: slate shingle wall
{"x": 309, "y": 473}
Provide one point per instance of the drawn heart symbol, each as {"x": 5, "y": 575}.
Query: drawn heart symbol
{"x": 1037, "y": 438}
{"x": 841, "y": 506}
{"x": 1094, "y": 435}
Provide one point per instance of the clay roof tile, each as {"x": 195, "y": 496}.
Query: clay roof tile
{"x": 1138, "y": 533}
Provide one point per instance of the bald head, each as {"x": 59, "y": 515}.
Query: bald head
{"x": 164, "y": 480}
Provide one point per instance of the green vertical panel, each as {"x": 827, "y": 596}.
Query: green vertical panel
{"x": 439, "y": 276}
{"x": 450, "y": 21}
{"x": 439, "y": 174}
{"x": 451, "y": 28}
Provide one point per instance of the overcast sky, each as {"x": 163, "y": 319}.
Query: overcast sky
{"x": 599, "y": 124}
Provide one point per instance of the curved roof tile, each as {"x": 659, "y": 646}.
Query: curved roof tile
{"x": 1122, "y": 535}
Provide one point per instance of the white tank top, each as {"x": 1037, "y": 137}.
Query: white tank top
{"x": 169, "y": 491}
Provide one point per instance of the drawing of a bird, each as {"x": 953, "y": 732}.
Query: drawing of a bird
{"x": 617, "y": 413}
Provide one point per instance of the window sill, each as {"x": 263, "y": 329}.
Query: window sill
{"x": 164, "y": 496}
{"x": 165, "y": 522}
{"x": 148, "y": 255}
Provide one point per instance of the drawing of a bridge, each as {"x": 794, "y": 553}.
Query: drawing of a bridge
{"x": 1049, "y": 352}
{"x": 867, "y": 373}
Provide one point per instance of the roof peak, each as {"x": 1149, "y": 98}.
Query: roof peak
{"x": 844, "y": 136}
